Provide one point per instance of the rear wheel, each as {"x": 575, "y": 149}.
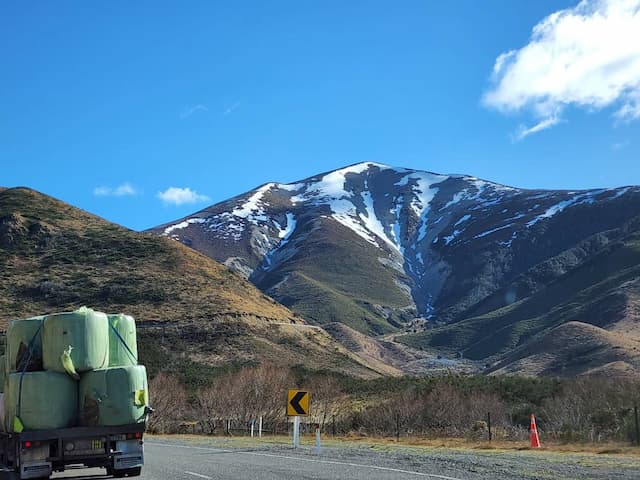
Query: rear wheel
{"x": 127, "y": 472}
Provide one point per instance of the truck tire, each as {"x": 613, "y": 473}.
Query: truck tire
{"x": 128, "y": 472}
{"x": 134, "y": 472}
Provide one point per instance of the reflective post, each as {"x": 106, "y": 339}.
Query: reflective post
{"x": 296, "y": 432}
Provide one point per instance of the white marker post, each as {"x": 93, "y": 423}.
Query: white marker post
{"x": 260, "y": 427}
{"x": 296, "y": 432}
{"x": 318, "y": 438}
{"x": 253, "y": 421}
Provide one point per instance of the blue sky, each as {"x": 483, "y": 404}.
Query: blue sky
{"x": 108, "y": 105}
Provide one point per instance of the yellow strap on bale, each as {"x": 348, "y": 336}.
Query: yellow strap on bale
{"x": 140, "y": 398}
{"x": 17, "y": 424}
{"x": 67, "y": 363}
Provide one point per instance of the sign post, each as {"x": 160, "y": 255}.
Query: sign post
{"x": 296, "y": 432}
{"x": 297, "y": 406}
{"x": 318, "y": 438}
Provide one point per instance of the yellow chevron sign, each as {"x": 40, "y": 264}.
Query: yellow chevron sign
{"x": 298, "y": 403}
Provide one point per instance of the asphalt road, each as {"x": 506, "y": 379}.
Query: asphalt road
{"x": 189, "y": 462}
{"x": 185, "y": 460}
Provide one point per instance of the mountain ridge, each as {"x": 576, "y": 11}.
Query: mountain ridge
{"x": 383, "y": 249}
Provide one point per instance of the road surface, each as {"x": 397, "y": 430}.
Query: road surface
{"x": 220, "y": 459}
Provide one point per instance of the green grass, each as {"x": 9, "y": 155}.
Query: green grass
{"x": 339, "y": 277}
{"x": 589, "y": 293}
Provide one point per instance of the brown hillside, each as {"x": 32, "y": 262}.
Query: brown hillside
{"x": 575, "y": 348}
{"x": 191, "y": 310}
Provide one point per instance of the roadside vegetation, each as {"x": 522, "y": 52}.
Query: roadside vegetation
{"x": 585, "y": 409}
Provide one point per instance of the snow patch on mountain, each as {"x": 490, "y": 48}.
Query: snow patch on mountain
{"x": 450, "y": 238}
{"x": 253, "y": 207}
{"x": 462, "y": 220}
{"x": 620, "y": 192}
{"x": 458, "y": 197}
{"x": 183, "y": 224}
{"x": 331, "y": 186}
{"x": 372, "y": 222}
{"x": 395, "y": 226}
{"x": 423, "y": 190}
{"x": 285, "y": 233}
{"x": 493, "y": 230}
{"x": 586, "y": 197}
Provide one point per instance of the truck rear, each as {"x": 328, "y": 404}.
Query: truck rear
{"x": 61, "y": 409}
{"x": 37, "y": 454}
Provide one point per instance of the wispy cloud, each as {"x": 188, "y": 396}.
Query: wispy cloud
{"x": 191, "y": 109}
{"x": 587, "y": 56}
{"x": 181, "y": 196}
{"x": 524, "y": 131}
{"x": 620, "y": 145}
{"x": 124, "y": 190}
{"x": 230, "y": 109}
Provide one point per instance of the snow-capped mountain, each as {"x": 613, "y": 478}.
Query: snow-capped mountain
{"x": 379, "y": 247}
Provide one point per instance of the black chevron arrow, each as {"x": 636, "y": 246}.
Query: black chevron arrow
{"x": 295, "y": 403}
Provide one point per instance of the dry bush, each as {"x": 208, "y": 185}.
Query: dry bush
{"x": 245, "y": 395}
{"x": 444, "y": 411}
{"x": 591, "y": 408}
{"x": 169, "y": 401}
{"x": 327, "y": 400}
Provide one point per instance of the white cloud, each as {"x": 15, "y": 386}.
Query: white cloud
{"x": 181, "y": 196}
{"x": 231, "y": 108}
{"x": 191, "y": 109}
{"x": 620, "y": 145}
{"x": 126, "y": 189}
{"x": 587, "y": 56}
{"x": 524, "y": 131}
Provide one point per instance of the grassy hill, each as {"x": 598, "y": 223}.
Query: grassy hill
{"x": 600, "y": 289}
{"x": 338, "y": 276}
{"x": 574, "y": 348}
{"x": 195, "y": 315}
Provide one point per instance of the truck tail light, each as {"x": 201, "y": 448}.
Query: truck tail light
{"x": 30, "y": 444}
{"x": 137, "y": 435}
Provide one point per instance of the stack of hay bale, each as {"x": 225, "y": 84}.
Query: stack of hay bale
{"x": 72, "y": 369}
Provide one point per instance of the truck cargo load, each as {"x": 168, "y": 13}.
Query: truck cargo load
{"x": 23, "y": 335}
{"x": 123, "y": 349}
{"x": 40, "y": 400}
{"x": 85, "y": 331}
{"x": 113, "y": 396}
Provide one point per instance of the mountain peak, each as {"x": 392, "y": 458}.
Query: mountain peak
{"x": 382, "y": 248}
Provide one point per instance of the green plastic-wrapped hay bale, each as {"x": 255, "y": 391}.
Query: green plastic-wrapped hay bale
{"x": 123, "y": 349}
{"x": 113, "y": 396}
{"x": 20, "y": 335}
{"x": 85, "y": 331}
{"x": 48, "y": 400}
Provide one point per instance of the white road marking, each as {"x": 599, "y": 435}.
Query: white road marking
{"x": 197, "y": 475}
{"x": 330, "y": 462}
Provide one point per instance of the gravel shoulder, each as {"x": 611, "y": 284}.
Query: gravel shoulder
{"x": 417, "y": 461}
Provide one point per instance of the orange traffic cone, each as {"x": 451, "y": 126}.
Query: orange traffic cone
{"x": 533, "y": 432}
